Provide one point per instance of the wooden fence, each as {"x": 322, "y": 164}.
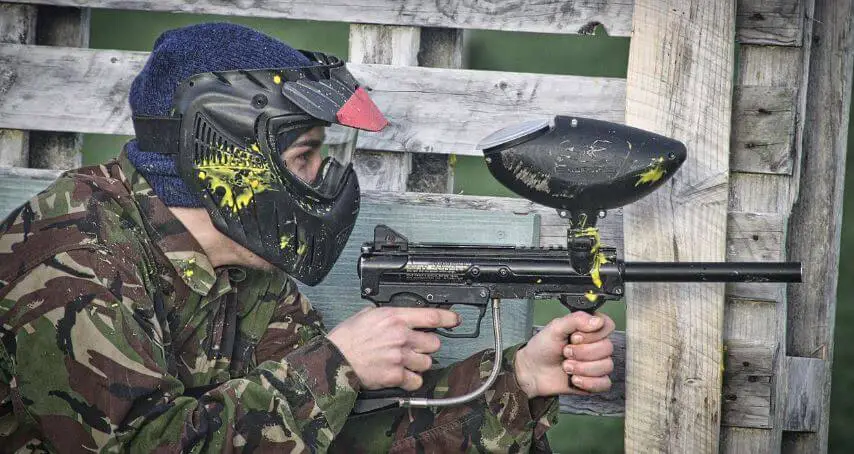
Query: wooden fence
{"x": 735, "y": 368}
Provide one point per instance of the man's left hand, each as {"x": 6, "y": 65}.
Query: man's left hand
{"x": 576, "y": 344}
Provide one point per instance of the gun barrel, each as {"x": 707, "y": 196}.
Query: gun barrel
{"x": 712, "y": 272}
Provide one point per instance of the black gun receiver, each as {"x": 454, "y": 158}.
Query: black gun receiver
{"x": 581, "y": 168}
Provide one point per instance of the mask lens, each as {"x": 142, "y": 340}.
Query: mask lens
{"x": 317, "y": 155}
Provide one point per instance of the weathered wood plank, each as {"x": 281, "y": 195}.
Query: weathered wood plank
{"x": 814, "y": 233}
{"x": 59, "y": 26}
{"x": 759, "y": 193}
{"x": 546, "y": 16}
{"x": 431, "y": 110}
{"x": 17, "y": 25}
{"x": 747, "y": 386}
{"x": 770, "y": 22}
{"x": 763, "y": 129}
{"x": 805, "y": 380}
{"x": 681, "y": 51}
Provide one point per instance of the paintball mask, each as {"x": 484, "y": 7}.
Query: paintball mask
{"x": 268, "y": 153}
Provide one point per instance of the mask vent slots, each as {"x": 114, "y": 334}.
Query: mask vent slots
{"x": 209, "y": 148}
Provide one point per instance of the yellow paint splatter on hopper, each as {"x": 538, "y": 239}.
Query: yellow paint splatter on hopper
{"x": 653, "y": 173}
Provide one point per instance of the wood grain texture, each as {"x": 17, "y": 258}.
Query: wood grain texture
{"x": 544, "y": 16}
{"x": 814, "y": 228}
{"x": 17, "y": 25}
{"x": 763, "y": 129}
{"x": 805, "y": 380}
{"x": 770, "y": 22}
{"x": 431, "y": 110}
{"x": 680, "y": 85}
{"x": 59, "y": 26}
{"x": 748, "y": 382}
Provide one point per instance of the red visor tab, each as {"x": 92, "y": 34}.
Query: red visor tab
{"x": 361, "y": 113}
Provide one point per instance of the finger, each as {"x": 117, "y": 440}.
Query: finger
{"x": 561, "y": 328}
{"x": 591, "y": 384}
{"x": 411, "y": 381}
{"x": 596, "y": 368}
{"x": 417, "y": 362}
{"x": 422, "y": 342}
{"x": 605, "y": 328}
{"x": 589, "y": 352}
{"x": 427, "y": 318}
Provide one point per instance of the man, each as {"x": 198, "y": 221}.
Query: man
{"x": 147, "y": 304}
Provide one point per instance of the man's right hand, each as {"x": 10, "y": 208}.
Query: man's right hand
{"x": 385, "y": 350}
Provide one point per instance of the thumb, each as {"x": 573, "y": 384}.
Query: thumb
{"x": 562, "y": 327}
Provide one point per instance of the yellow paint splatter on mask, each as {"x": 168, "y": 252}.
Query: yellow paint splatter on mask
{"x": 653, "y": 173}
{"x": 277, "y": 79}
{"x": 302, "y": 248}
{"x": 237, "y": 174}
{"x": 284, "y": 241}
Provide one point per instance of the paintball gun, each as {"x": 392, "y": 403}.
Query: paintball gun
{"x": 580, "y": 167}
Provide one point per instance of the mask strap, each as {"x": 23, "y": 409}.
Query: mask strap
{"x": 158, "y": 134}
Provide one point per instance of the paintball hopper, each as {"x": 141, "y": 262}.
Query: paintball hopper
{"x": 580, "y": 166}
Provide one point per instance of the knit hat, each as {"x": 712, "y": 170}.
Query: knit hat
{"x": 179, "y": 54}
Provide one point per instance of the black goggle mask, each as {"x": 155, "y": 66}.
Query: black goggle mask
{"x": 268, "y": 153}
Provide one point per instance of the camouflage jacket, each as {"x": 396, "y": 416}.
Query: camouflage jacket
{"x": 114, "y": 325}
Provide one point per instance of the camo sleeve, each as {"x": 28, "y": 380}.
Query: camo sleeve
{"x": 86, "y": 367}
{"x": 293, "y": 324}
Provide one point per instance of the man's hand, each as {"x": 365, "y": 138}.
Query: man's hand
{"x": 384, "y": 348}
{"x": 542, "y": 366}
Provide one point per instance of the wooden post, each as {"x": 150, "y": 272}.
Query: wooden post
{"x": 814, "y": 228}
{"x": 439, "y": 48}
{"x": 387, "y": 45}
{"x": 17, "y": 25}
{"x": 59, "y": 26}
{"x": 405, "y": 46}
{"x": 679, "y": 84}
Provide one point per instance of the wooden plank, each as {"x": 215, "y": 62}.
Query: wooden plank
{"x": 681, "y": 52}
{"x": 431, "y": 110}
{"x": 17, "y": 25}
{"x": 805, "y": 380}
{"x": 747, "y": 385}
{"x": 59, "y": 26}
{"x": 814, "y": 234}
{"x": 544, "y": 16}
{"x": 759, "y": 193}
{"x": 763, "y": 129}
{"x": 770, "y": 22}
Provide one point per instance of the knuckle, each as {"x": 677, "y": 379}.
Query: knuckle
{"x": 395, "y": 357}
{"x": 394, "y": 377}
{"x": 433, "y": 318}
{"x": 609, "y": 366}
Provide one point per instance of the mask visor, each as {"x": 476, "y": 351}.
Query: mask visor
{"x": 319, "y": 157}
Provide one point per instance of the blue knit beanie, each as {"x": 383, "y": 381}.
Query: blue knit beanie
{"x": 179, "y": 54}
